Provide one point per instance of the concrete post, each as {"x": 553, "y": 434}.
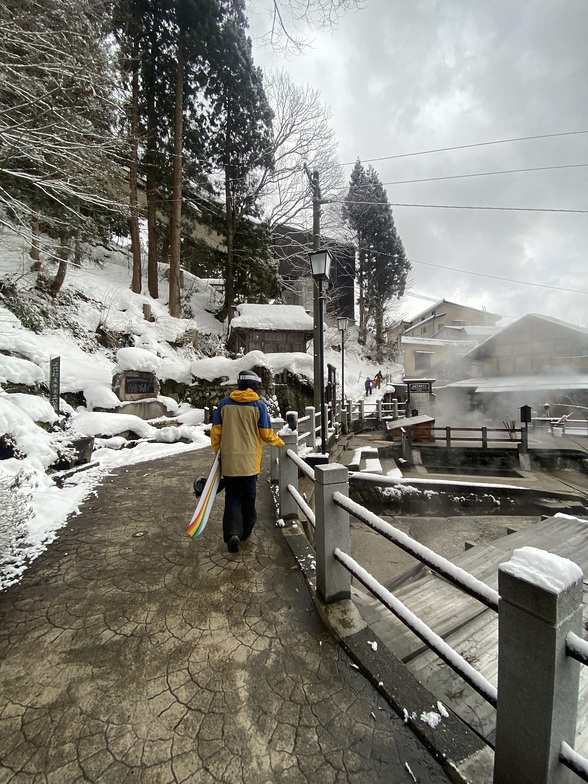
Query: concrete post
{"x": 345, "y": 417}
{"x": 362, "y": 410}
{"x": 395, "y": 409}
{"x": 288, "y": 476}
{"x": 379, "y": 414}
{"x": 349, "y": 413}
{"x": 537, "y": 682}
{"x": 333, "y": 581}
{"x": 277, "y": 425}
{"x": 310, "y": 412}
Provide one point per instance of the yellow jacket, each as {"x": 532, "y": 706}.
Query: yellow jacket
{"x": 240, "y": 424}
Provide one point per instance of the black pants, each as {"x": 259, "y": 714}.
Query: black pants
{"x": 240, "y": 514}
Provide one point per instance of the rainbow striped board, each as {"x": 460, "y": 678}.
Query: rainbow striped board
{"x": 203, "y": 507}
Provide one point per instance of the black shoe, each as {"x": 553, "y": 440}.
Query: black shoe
{"x": 199, "y": 486}
{"x": 234, "y": 543}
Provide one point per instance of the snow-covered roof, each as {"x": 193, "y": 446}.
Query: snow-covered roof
{"x": 461, "y": 344}
{"x": 272, "y": 317}
{"x": 569, "y": 381}
{"x": 473, "y": 330}
{"x": 482, "y": 349}
{"x": 443, "y": 302}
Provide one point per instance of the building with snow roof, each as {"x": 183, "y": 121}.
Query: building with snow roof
{"x": 535, "y": 360}
{"x": 448, "y": 314}
{"x": 290, "y": 248}
{"x": 435, "y": 342}
{"x": 273, "y": 329}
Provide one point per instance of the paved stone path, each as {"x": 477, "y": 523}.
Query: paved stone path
{"x": 130, "y": 653}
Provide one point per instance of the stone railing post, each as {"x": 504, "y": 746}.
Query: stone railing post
{"x": 362, "y": 410}
{"x": 540, "y": 603}
{"x": 395, "y": 409}
{"x": 345, "y": 419}
{"x": 277, "y": 425}
{"x": 333, "y": 581}
{"x": 288, "y": 476}
{"x": 310, "y": 412}
{"x": 379, "y": 414}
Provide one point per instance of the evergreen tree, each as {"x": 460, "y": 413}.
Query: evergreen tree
{"x": 58, "y": 149}
{"x": 382, "y": 264}
{"x": 240, "y": 142}
{"x": 128, "y": 28}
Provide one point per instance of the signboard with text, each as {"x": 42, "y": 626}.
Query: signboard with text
{"x": 419, "y": 386}
{"x": 54, "y": 382}
{"x": 139, "y": 386}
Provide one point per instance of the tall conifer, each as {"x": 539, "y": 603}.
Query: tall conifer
{"x": 382, "y": 266}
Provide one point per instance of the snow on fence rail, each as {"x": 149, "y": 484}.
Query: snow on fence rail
{"x": 539, "y": 605}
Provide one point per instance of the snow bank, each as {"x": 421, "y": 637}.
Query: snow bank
{"x": 14, "y": 370}
{"x": 103, "y": 424}
{"x": 138, "y": 359}
{"x": 100, "y": 396}
{"x": 38, "y": 408}
{"x": 30, "y": 439}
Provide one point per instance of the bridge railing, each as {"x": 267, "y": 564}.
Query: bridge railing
{"x": 539, "y": 607}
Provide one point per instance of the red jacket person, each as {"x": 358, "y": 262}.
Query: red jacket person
{"x": 240, "y": 424}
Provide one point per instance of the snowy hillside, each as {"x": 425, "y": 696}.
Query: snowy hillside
{"x": 94, "y": 312}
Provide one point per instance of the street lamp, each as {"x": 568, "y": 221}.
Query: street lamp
{"x": 342, "y": 324}
{"x": 320, "y": 266}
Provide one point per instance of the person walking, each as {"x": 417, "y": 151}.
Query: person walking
{"x": 240, "y": 424}
{"x": 368, "y": 386}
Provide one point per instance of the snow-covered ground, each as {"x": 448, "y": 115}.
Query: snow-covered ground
{"x": 97, "y": 295}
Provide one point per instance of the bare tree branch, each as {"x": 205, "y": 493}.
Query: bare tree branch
{"x": 288, "y": 16}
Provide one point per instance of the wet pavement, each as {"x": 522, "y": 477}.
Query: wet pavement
{"x": 130, "y": 653}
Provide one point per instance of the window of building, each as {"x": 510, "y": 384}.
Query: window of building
{"x": 422, "y": 360}
{"x": 423, "y": 330}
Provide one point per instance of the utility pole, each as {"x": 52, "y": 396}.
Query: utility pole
{"x": 313, "y": 179}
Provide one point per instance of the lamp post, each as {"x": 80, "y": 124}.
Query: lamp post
{"x": 320, "y": 265}
{"x": 342, "y": 324}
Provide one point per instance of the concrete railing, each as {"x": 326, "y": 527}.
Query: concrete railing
{"x": 368, "y": 409}
{"x": 539, "y": 621}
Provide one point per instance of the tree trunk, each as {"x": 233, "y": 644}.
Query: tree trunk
{"x": 229, "y": 305}
{"x": 379, "y": 319}
{"x": 35, "y": 251}
{"x": 151, "y": 182}
{"x": 362, "y": 327}
{"x": 63, "y": 254}
{"x": 136, "y": 282}
{"x": 176, "y": 206}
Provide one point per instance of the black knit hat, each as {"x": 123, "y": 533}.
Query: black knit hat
{"x": 247, "y": 379}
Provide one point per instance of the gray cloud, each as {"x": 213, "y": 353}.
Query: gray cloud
{"x": 407, "y": 76}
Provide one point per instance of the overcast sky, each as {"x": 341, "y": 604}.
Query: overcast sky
{"x": 405, "y": 76}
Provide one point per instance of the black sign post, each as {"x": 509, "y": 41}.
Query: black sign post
{"x": 54, "y": 379}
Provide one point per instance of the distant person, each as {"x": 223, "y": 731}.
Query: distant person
{"x": 239, "y": 425}
{"x": 378, "y": 379}
{"x": 368, "y": 386}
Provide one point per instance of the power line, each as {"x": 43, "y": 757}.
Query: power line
{"x": 466, "y": 146}
{"x": 480, "y": 275}
{"x": 487, "y": 174}
{"x": 459, "y": 206}
{"x": 497, "y": 277}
